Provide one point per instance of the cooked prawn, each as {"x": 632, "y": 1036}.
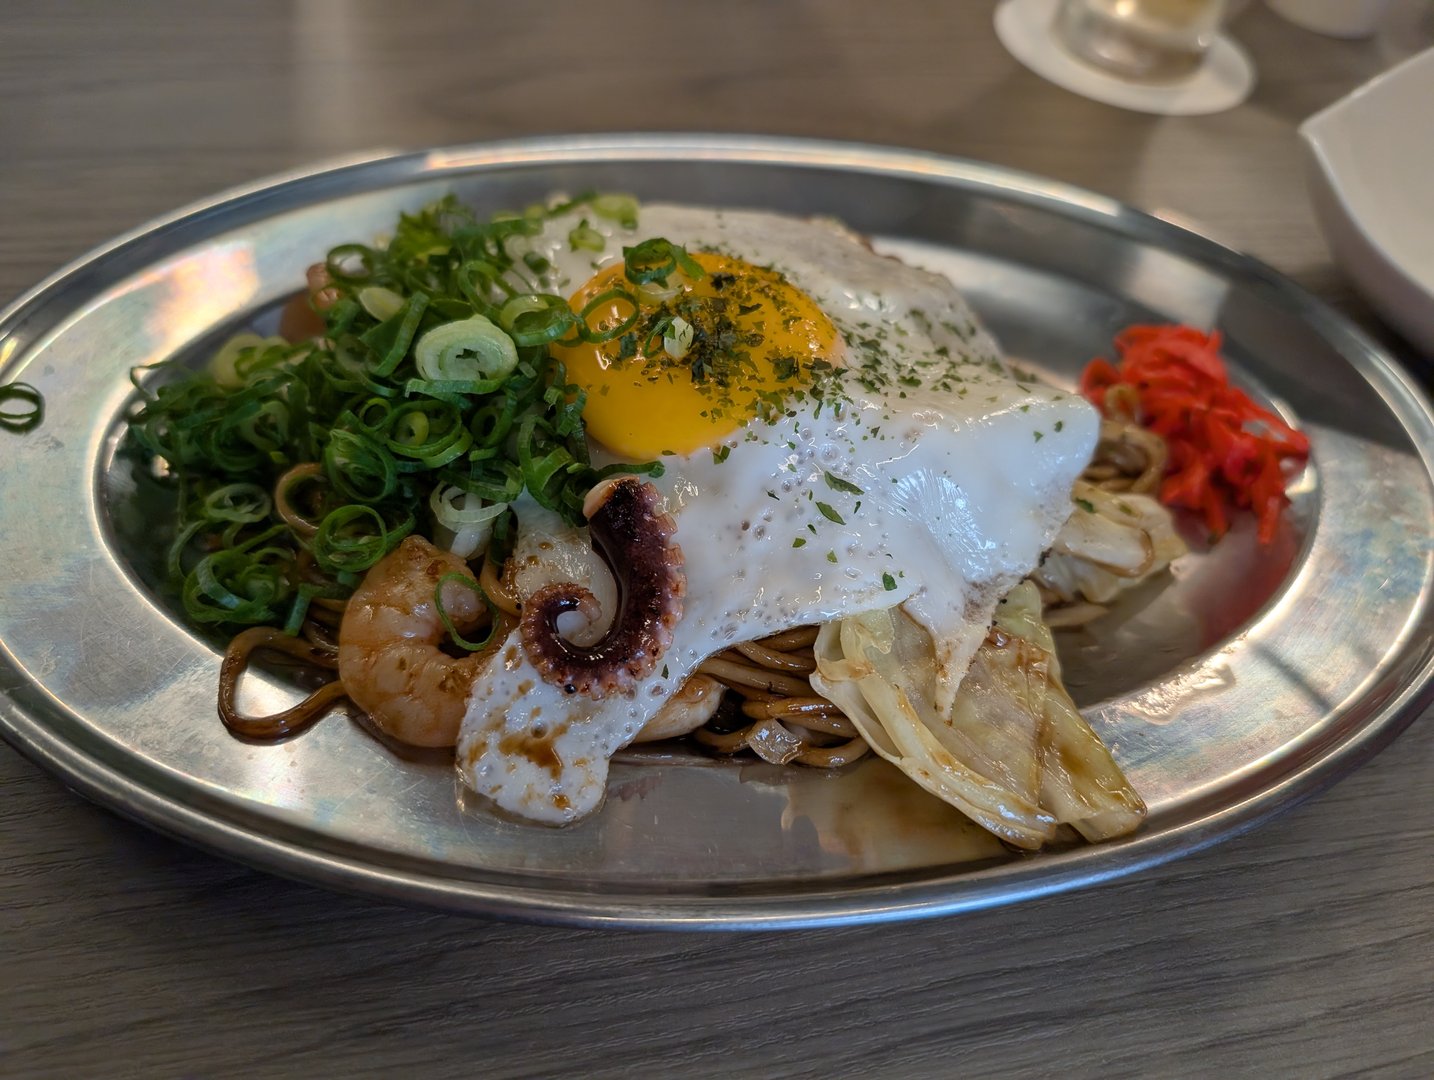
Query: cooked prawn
{"x": 391, "y": 658}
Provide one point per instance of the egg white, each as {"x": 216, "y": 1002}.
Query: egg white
{"x": 964, "y": 476}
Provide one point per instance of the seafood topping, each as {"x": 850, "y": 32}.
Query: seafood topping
{"x": 634, "y": 538}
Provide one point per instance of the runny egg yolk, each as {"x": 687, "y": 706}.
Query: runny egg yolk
{"x": 753, "y": 340}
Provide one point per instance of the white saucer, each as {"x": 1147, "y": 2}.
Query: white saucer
{"x": 1223, "y": 81}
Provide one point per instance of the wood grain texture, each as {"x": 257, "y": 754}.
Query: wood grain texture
{"x": 1303, "y": 949}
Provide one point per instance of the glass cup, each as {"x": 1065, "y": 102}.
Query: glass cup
{"x": 1149, "y": 40}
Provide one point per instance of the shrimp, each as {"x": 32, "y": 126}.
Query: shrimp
{"x": 390, "y": 655}
{"x": 303, "y": 316}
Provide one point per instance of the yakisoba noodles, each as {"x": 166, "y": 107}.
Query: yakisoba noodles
{"x": 544, "y": 483}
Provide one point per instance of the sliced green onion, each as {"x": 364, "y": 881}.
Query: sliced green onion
{"x": 652, "y": 294}
{"x": 501, "y": 483}
{"x": 340, "y": 318}
{"x": 689, "y": 266}
{"x": 466, "y": 516}
{"x": 264, "y": 425}
{"x": 351, "y": 539}
{"x": 477, "y": 278}
{"x": 359, "y": 467}
{"x": 468, "y": 350}
{"x": 619, "y": 208}
{"x": 451, "y": 390}
{"x": 223, "y": 364}
{"x": 27, "y": 415}
{"x": 536, "y": 319}
{"x": 266, "y": 356}
{"x": 642, "y": 468}
{"x": 584, "y": 237}
{"x": 519, "y": 305}
{"x": 655, "y": 259}
{"x": 611, "y": 296}
{"x": 342, "y": 259}
{"x": 451, "y": 510}
{"x": 258, "y": 540}
{"x": 390, "y": 339}
{"x": 651, "y": 260}
{"x": 491, "y": 423}
{"x": 380, "y": 302}
{"x": 678, "y": 339}
{"x": 409, "y": 430}
{"x": 451, "y": 309}
{"x": 372, "y": 415}
{"x": 238, "y": 502}
{"x": 400, "y": 404}
{"x": 173, "y": 560}
{"x": 431, "y": 432}
{"x": 298, "y": 610}
{"x": 344, "y": 372}
{"x": 458, "y": 639}
{"x": 236, "y": 586}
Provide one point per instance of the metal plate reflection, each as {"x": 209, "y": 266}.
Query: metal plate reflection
{"x": 1252, "y": 676}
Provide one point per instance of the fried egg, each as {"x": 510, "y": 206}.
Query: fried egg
{"x": 868, "y": 448}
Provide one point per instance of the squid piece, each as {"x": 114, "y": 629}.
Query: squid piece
{"x": 635, "y": 540}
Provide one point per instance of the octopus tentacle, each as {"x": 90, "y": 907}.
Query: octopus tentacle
{"x": 634, "y": 538}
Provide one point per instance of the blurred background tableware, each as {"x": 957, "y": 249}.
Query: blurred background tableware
{"x": 1166, "y": 57}
{"x": 1337, "y": 18}
{"x": 1157, "y": 40}
{"x": 1370, "y": 157}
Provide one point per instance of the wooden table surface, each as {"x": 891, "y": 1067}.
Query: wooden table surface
{"x": 1304, "y": 949}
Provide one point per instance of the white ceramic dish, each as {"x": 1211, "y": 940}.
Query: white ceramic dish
{"x": 1371, "y": 158}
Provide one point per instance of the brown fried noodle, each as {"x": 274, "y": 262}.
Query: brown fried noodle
{"x": 490, "y": 580}
{"x": 286, "y": 487}
{"x": 791, "y": 722}
{"x": 1127, "y": 458}
{"x": 292, "y": 720}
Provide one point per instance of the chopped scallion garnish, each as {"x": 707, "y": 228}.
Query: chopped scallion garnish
{"x": 431, "y": 399}
{"x": 21, "y": 407}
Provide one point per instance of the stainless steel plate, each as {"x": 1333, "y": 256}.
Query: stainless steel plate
{"x": 1250, "y": 679}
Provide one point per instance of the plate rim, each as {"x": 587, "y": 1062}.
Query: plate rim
{"x": 903, "y": 896}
